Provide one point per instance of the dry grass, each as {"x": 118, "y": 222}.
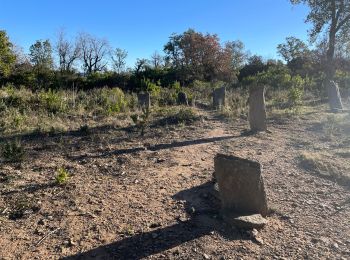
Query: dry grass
{"x": 326, "y": 165}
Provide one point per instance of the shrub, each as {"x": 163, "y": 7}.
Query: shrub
{"x": 185, "y": 116}
{"x": 52, "y": 101}
{"x": 13, "y": 151}
{"x": 112, "y": 100}
{"x": 61, "y": 176}
{"x": 142, "y": 121}
{"x": 295, "y": 96}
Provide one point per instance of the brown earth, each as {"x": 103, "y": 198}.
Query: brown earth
{"x": 132, "y": 197}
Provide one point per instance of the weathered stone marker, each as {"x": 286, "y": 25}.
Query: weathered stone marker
{"x": 182, "y": 99}
{"x": 335, "y": 102}
{"x": 241, "y": 186}
{"x": 257, "y": 110}
{"x": 219, "y": 97}
{"x": 144, "y": 100}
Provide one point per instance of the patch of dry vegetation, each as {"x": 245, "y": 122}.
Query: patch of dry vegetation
{"x": 327, "y": 165}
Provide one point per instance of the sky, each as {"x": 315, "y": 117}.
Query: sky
{"x": 143, "y": 26}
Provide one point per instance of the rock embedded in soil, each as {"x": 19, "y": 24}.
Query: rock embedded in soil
{"x": 257, "y": 110}
{"x": 255, "y": 221}
{"x": 219, "y": 96}
{"x": 241, "y": 187}
{"x": 335, "y": 102}
{"x": 144, "y": 100}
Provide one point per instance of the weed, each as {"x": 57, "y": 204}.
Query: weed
{"x": 61, "y": 176}
{"x": 142, "y": 121}
{"x": 13, "y": 151}
{"x": 331, "y": 126}
{"x": 84, "y": 129}
{"x": 186, "y": 116}
{"x": 22, "y": 206}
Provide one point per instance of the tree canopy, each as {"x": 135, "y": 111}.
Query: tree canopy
{"x": 331, "y": 17}
{"x": 7, "y": 56}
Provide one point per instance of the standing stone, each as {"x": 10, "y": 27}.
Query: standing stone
{"x": 219, "y": 96}
{"x": 257, "y": 110}
{"x": 144, "y": 100}
{"x": 182, "y": 99}
{"x": 335, "y": 102}
{"x": 241, "y": 186}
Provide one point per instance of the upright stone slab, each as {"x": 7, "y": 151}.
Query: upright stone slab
{"x": 182, "y": 99}
{"x": 144, "y": 100}
{"x": 335, "y": 102}
{"x": 257, "y": 110}
{"x": 219, "y": 97}
{"x": 241, "y": 187}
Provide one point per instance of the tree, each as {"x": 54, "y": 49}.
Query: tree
{"x": 41, "y": 58}
{"x": 7, "y": 56}
{"x": 119, "y": 59}
{"x": 68, "y": 52}
{"x": 140, "y": 65}
{"x": 93, "y": 53}
{"x": 293, "y": 48}
{"x": 41, "y": 55}
{"x": 239, "y": 56}
{"x": 331, "y": 17}
{"x": 156, "y": 60}
{"x": 254, "y": 66}
{"x": 199, "y": 56}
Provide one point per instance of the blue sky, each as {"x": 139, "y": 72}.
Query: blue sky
{"x": 144, "y": 26}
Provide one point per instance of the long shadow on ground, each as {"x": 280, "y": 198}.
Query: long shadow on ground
{"x": 203, "y": 209}
{"x": 156, "y": 147}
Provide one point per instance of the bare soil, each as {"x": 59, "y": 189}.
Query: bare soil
{"x": 132, "y": 197}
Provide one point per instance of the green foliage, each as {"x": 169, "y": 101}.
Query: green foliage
{"x": 7, "y": 57}
{"x": 112, "y": 100}
{"x": 52, "y": 101}
{"x": 62, "y": 176}
{"x": 151, "y": 87}
{"x": 295, "y": 96}
{"x": 13, "y": 151}
{"x": 185, "y": 116}
{"x": 142, "y": 121}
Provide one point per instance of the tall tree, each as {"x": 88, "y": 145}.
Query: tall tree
{"x": 199, "y": 56}
{"x": 238, "y": 54}
{"x": 68, "y": 52}
{"x": 119, "y": 59}
{"x": 331, "y": 17}
{"x": 41, "y": 55}
{"x": 41, "y": 58}
{"x": 94, "y": 52}
{"x": 293, "y": 48}
{"x": 156, "y": 60}
{"x": 7, "y": 56}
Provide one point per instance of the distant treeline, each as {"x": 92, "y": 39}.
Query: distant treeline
{"x": 90, "y": 62}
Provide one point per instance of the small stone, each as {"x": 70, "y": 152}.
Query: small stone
{"x": 259, "y": 240}
{"x": 41, "y": 222}
{"x": 206, "y": 256}
{"x": 335, "y": 246}
{"x": 247, "y": 222}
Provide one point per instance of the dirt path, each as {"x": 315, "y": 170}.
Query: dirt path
{"x": 127, "y": 203}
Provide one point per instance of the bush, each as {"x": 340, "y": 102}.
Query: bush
{"x": 111, "y": 100}
{"x": 13, "y": 151}
{"x": 52, "y": 101}
{"x": 62, "y": 176}
{"x": 185, "y": 116}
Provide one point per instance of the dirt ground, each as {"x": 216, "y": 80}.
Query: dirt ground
{"x": 132, "y": 197}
